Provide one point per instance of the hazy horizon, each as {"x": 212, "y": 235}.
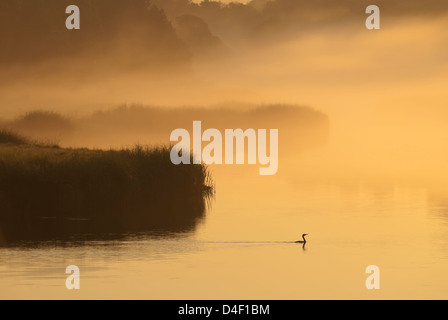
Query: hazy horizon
{"x": 361, "y": 116}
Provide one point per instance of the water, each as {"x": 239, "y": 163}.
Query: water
{"x": 244, "y": 248}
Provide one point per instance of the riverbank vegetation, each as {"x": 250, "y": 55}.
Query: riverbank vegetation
{"x": 52, "y": 192}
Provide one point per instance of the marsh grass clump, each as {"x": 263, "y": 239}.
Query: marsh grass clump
{"x": 54, "y": 192}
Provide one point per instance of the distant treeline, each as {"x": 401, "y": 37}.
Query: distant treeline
{"x": 265, "y": 20}
{"x": 131, "y": 33}
{"x": 47, "y": 192}
{"x": 299, "y": 127}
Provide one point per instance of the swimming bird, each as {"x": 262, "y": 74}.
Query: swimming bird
{"x": 303, "y": 237}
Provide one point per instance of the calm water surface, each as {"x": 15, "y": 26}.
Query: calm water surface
{"x": 244, "y": 249}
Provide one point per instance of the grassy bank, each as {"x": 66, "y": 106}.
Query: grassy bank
{"x": 51, "y": 192}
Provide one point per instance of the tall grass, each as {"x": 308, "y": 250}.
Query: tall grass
{"x": 47, "y": 192}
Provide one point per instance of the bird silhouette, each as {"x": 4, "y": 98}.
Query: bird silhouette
{"x": 303, "y": 237}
